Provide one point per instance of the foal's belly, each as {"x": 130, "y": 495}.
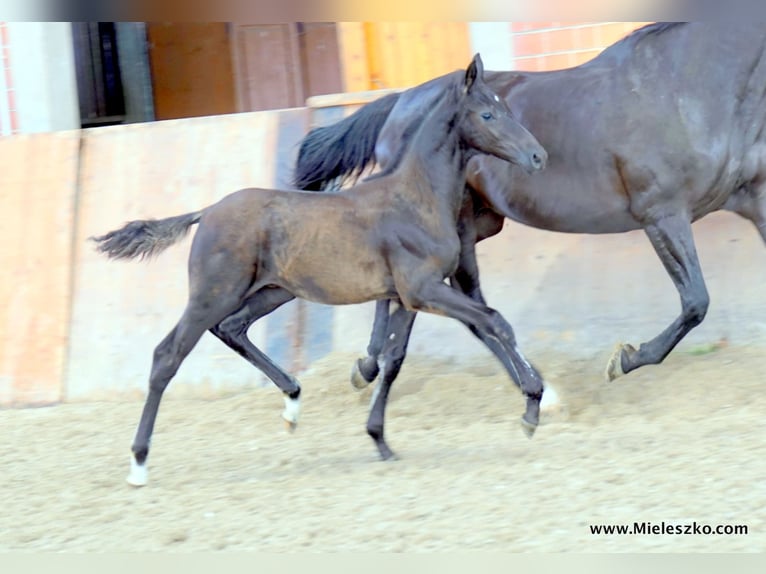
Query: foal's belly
{"x": 336, "y": 277}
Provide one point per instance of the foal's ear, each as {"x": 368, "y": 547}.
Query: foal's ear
{"x": 475, "y": 70}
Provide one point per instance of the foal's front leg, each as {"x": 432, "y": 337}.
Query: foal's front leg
{"x": 472, "y": 227}
{"x": 233, "y": 332}
{"x": 392, "y": 355}
{"x": 496, "y": 333}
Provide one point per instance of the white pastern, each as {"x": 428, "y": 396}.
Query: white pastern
{"x": 138, "y": 474}
{"x": 292, "y": 409}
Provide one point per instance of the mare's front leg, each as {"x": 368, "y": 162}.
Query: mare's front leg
{"x": 672, "y": 239}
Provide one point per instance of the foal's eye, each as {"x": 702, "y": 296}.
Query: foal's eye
{"x": 486, "y": 116}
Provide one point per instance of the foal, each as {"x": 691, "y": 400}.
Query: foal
{"x": 258, "y": 248}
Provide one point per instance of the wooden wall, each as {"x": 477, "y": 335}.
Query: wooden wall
{"x": 539, "y": 46}
{"x": 381, "y": 55}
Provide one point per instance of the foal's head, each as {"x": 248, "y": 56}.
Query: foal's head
{"x": 487, "y": 124}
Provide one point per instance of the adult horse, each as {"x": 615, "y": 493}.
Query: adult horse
{"x": 660, "y": 129}
{"x": 393, "y": 237}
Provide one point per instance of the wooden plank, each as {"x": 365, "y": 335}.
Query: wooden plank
{"x": 352, "y": 48}
{"x": 38, "y": 198}
{"x": 320, "y": 58}
{"x": 192, "y": 71}
{"x": 268, "y": 72}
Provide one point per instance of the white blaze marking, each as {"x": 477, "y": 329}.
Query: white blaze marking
{"x": 497, "y": 99}
{"x": 292, "y": 409}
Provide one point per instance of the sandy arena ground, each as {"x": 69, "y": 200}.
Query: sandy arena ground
{"x": 681, "y": 442}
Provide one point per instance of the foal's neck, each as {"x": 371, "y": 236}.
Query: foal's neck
{"x": 438, "y": 153}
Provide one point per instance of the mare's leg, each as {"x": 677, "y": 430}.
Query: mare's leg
{"x": 672, "y": 239}
{"x": 392, "y": 355}
{"x": 233, "y": 331}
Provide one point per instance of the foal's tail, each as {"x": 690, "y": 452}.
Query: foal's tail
{"x": 343, "y": 149}
{"x": 146, "y": 237}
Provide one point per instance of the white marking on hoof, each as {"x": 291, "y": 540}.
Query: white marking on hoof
{"x": 138, "y": 474}
{"x": 291, "y": 412}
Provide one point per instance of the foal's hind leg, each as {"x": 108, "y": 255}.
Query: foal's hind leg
{"x": 366, "y": 369}
{"x": 200, "y": 314}
{"x": 233, "y": 331}
{"x": 672, "y": 239}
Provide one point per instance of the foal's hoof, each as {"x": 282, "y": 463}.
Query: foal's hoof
{"x": 138, "y": 475}
{"x": 528, "y": 428}
{"x": 357, "y": 378}
{"x": 291, "y": 412}
{"x": 614, "y": 366}
{"x": 387, "y": 455}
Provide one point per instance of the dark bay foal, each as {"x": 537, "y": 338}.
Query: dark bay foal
{"x": 393, "y": 237}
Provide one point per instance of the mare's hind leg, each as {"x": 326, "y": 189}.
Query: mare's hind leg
{"x": 233, "y": 331}
{"x": 200, "y": 314}
{"x": 391, "y": 357}
{"x": 672, "y": 239}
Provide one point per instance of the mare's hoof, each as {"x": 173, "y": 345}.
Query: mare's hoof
{"x": 357, "y": 379}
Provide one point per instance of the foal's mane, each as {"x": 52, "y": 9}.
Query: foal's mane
{"x": 413, "y": 128}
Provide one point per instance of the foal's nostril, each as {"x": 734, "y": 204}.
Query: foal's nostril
{"x": 538, "y": 160}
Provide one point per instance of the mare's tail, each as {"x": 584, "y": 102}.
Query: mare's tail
{"x": 343, "y": 149}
